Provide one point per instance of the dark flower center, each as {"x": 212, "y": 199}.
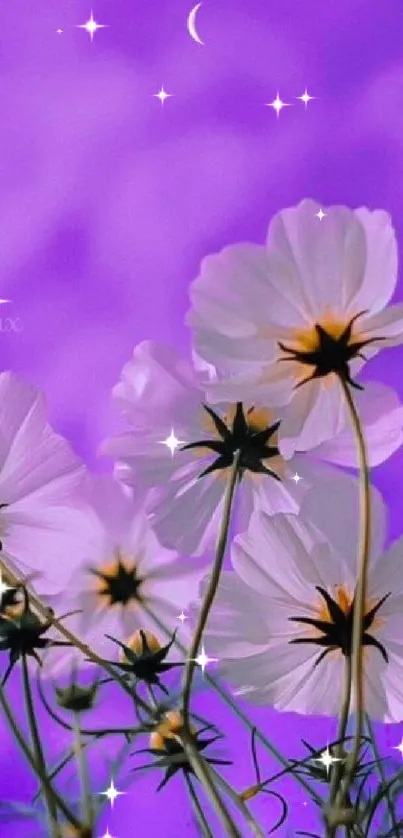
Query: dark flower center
{"x": 121, "y": 583}
{"x": 332, "y": 354}
{"x": 239, "y": 435}
{"x": 337, "y": 631}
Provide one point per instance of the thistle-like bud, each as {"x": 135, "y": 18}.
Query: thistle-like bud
{"x": 170, "y": 727}
{"x": 76, "y": 698}
{"x": 139, "y": 642}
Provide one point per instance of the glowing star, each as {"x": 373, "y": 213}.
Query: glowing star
{"x": 171, "y": 442}
{"x": 399, "y": 748}
{"x": 112, "y": 793}
{"x": 59, "y": 32}
{"x": 327, "y": 760}
{"x": 202, "y": 660}
{"x": 162, "y": 95}
{"x": 305, "y": 98}
{"x": 182, "y": 617}
{"x": 296, "y": 478}
{"x": 91, "y": 26}
{"x": 321, "y": 215}
{"x": 107, "y": 834}
{"x": 277, "y": 104}
{"x": 4, "y": 301}
{"x": 3, "y": 587}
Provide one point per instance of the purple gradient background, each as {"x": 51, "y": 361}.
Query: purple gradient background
{"x": 109, "y": 201}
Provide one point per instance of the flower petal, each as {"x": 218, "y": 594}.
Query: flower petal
{"x": 380, "y": 277}
{"x": 325, "y": 259}
{"x": 333, "y": 507}
{"x": 381, "y": 414}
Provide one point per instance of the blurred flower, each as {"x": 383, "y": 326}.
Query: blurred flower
{"x": 166, "y": 744}
{"x": 41, "y": 480}
{"x": 159, "y": 393}
{"x": 282, "y": 623}
{"x": 126, "y": 581}
{"x": 143, "y": 658}
{"x": 313, "y": 298}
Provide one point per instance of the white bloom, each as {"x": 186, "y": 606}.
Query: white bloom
{"x": 311, "y": 305}
{"x": 160, "y": 392}
{"x": 126, "y": 580}
{"x": 282, "y": 622}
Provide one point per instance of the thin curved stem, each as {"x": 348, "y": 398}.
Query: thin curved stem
{"x": 211, "y": 589}
{"x": 240, "y": 803}
{"x": 198, "y": 809}
{"x": 70, "y": 817}
{"x": 382, "y": 775}
{"x": 342, "y": 729}
{"x": 37, "y": 748}
{"x": 361, "y": 589}
{"x": 201, "y": 769}
{"x": 86, "y": 795}
{"x": 242, "y": 716}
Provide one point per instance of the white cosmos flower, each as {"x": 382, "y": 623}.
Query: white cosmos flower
{"x": 125, "y": 580}
{"x": 160, "y": 393}
{"x": 313, "y": 300}
{"x": 287, "y": 574}
{"x": 42, "y": 523}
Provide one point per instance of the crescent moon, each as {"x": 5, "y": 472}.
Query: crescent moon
{"x": 191, "y": 24}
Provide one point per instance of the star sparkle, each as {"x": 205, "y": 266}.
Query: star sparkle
{"x": 399, "y": 748}
{"x": 327, "y": 760}
{"x": 3, "y": 587}
{"x": 172, "y": 442}
{"x": 112, "y": 793}
{"x": 305, "y": 98}
{"x": 321, "y": 214}
{"x": 203, "y": 660}
{"x": 91, "y": 26}
{"x": 277, "y": 104}
{"x": 296, "y": 478}
{"x": 162, "y": 95}
{"x": 107, "y": 834}
{"x": 182, "y": 617}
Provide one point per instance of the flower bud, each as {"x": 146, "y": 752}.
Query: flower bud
{"x": 169, "y": 728}
{"x": 75, "y": 698}
{"x": 136, "y": 643}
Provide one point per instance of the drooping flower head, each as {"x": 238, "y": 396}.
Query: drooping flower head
{"x": 283, "y": 323}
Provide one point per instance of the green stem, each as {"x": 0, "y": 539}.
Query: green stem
{"x": 202, "y": 820}
{"x": 342, "y": 730}
{"x": 37, "y": 748}
{"x": 86, "y": 796}
{"x": 199, "y": 766}
{"x": 215, "y": 685}
{"x": 240, "y": 803}
{"x": 29, "y": 756}
{"x": 201, "y": 769}
{"x": 211, "y": 589}
{"x": 361, "y": 590}
{"x": 382, "y": 775}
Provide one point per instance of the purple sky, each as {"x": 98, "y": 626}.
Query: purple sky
{"x": 109, "y": 201}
